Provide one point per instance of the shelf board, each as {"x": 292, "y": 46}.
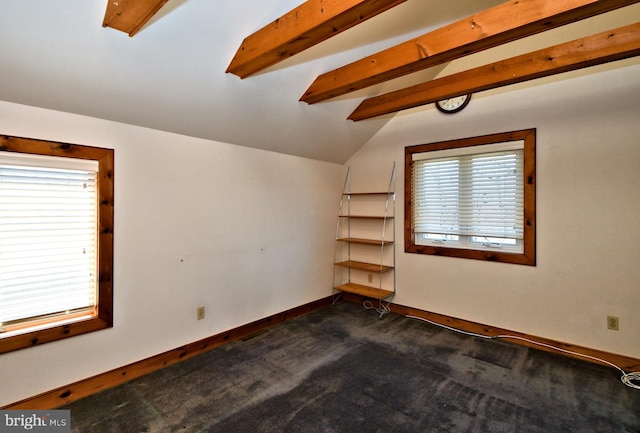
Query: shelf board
{"x": 369, "y": 267}
{"x": 369, "y": 193}
{"x": 373, "y": 217}
{"x": 369, "y": 292}
{"x": 365, "y": 241}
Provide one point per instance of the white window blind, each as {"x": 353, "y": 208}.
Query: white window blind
{"x": 478, "y": 194}
{"x": 48, "y": 237}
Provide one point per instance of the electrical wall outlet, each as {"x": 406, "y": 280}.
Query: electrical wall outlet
{"x": 613, "y": 323}
{"x": 200, "y": 313}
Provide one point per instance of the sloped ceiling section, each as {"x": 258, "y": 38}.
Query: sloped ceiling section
{"x": 171, "y": 74}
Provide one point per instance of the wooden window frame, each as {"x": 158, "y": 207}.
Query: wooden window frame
{"x": 102, "y": 317}
{"x": 528, "y": 255}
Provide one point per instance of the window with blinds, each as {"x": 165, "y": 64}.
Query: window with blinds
{"x": 56, "y": 241}
{"x": 48, "y": 220}
{"x": 472, "y": 198}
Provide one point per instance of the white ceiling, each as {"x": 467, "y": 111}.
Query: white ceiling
{"x": 171, "y": 75}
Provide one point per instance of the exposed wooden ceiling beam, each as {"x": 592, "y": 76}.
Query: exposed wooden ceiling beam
{"x": 503, "y": 23}
{"x": 310, "y": 23}
{"x": 130, "y": 15}
{"x": 609, "y": 46}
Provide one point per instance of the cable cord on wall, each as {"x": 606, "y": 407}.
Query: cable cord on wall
{"x": 631, "y": 379}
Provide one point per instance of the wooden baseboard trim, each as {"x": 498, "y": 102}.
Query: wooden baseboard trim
{"x": 83, "y": 388}
{"x": 627, "y": 363}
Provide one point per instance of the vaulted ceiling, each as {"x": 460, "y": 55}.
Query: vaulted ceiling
{"x": 286, "y": 76}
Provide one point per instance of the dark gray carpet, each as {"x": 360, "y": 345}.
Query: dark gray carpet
{"x": 341, "y": 369}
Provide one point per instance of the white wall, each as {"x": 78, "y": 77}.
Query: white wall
{"x": 246, "y": 233}
{"x": 588, "y": 210}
